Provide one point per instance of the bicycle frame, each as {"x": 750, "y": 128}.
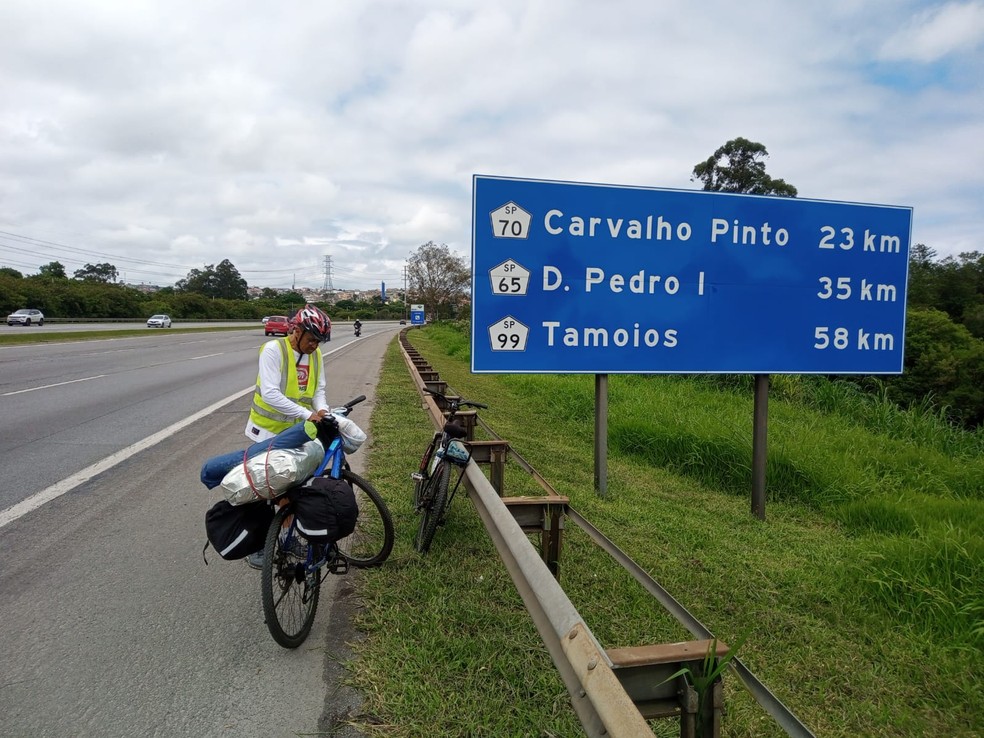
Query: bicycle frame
{"x": 333, "y": 461}
{"x": 335, "y": 457}
{"x": 425, "y": 460}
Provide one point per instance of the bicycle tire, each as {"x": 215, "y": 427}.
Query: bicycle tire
{"x": 371, "y": 543}
{"x": 435, "y": 497}
{"x": 290, "y": 598}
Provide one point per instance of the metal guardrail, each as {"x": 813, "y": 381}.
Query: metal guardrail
{"x": 602, "y": 704}
{"x": 599, "y": 696}
{"x": 769, "y": 702}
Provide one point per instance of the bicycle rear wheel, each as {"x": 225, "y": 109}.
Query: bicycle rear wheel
{"x": 434, "y": 498}
{"x": 371, "y": 542}
{"x": 290, "y": 595}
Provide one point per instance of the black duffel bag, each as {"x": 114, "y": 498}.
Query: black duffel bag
{"x": 236, "y": 531}
{"x": 325, "y": 509}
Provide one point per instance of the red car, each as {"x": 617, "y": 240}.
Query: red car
{"x": 277, "y": 324}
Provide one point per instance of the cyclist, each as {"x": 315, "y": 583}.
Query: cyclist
{"x": 357, "y": 327}
{"x": 290, "y": 384}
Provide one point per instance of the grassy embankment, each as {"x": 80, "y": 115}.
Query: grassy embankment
{"x": 862, "y": 595}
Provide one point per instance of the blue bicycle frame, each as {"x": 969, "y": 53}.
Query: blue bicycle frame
{"x": 335, "y": 456}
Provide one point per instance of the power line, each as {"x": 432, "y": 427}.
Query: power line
{"x": 62, "y": 247}
{"x": 25, "y": 247}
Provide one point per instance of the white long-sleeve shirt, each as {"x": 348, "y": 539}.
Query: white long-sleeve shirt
{"x": 270, "y": 363}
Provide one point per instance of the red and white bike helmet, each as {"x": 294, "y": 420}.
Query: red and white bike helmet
{"x": 314, "y": 320}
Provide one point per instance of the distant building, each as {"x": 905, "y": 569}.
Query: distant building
{"x": 145, "y": 288}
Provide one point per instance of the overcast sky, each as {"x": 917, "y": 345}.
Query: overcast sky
{"x": 166, "y": 136}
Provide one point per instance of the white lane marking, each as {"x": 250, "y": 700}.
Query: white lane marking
{"x": 99, "y": 376}
{"x": 57, "y": 384}
{"x": 55, "y": 491}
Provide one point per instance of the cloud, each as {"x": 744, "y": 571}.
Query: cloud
{"x": 184, "y": 133}
{"x": 935, "y": 33}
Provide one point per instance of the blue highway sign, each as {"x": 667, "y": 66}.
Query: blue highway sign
{"x": 603, "y": 279}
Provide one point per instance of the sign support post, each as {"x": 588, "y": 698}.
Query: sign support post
{"x": 601, "y": 435}
{"x": 760, "y": 442}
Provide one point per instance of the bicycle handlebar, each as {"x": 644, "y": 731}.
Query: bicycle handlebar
{"x": 343, "y": 410}
{"x": 354, "y": 401}
{"x": 458, "y": 403}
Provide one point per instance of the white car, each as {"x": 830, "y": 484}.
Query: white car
{"x": 159, "y": 321}
{"x": 26, "y": 317}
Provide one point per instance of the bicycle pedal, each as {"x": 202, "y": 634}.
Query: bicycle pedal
{"x": 418, "y": 477}
{"x": 339, "y": 566}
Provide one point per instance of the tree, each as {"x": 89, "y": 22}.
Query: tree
{"x": 953, "y": 285}
{"x": 53, "y": 270}
{"x": 438, "y": 279}
{"x": 960, "y": 284}
{"x": 973, "y": 318}
{"x": 943, "y": 363}
{"x": 223, "y": 281}
{"x": 346, "y": 306}
{"x": 231, "y": 284}
{"x": 291, "y": 302}
{"x": 97, "y": 273}
{"x": 738, "y": 167}
{"x": 923, "y": 277}
{"x": 11, "y": 272}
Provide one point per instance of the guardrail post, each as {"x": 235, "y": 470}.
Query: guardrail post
{"x": 493, "y": 453}
{"x": 553, "y": 535}
{"x": 543, "y": 515}
{"x": 645, "y": 672}
{"x": 467, "y": 420}
{"x": 436, "y": 385}
{"x": 601, "y": 703}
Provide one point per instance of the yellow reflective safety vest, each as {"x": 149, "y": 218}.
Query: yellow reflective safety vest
{"x": 267, "y": 417}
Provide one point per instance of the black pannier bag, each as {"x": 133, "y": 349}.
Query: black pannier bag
{"x": 236, "y": 531}
{"x": 325, "y": 509}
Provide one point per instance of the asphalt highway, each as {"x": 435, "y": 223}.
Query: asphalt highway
{"x": 113, "y": 623}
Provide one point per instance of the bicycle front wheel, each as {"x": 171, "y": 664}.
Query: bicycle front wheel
{"x": 371, "y": 542}
{"x": 290, "y": 594}
{"x": 434, "y": 499}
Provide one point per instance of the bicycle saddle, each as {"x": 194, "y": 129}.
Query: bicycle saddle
{"x": 454, "y": 430}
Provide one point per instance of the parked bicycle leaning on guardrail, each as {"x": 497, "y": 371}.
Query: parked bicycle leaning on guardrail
{"x": 432, "y": 491}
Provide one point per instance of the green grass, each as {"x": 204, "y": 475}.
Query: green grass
{"x": 861, "y": 595}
